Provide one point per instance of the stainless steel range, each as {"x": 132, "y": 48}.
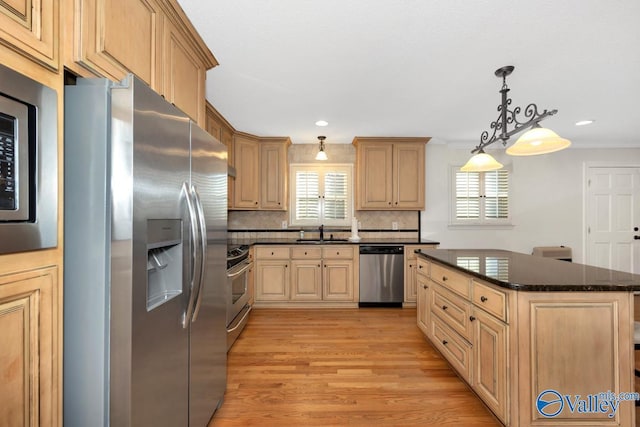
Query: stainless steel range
{"x": 238, "y": 293}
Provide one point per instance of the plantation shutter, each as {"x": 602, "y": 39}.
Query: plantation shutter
{"x": 467, "y": 195}
{"x": 307, "y": 195}
{"x": 481, "y": 197}
{"x": 335, "y": 195}
{"x": 496, "y": 191}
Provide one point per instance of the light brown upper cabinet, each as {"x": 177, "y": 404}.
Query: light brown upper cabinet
{"x": 218, "y": 126}
{"x": 150, "y": 38}
{"x": 390, "y": 173}
{"x": 31, "y": 28}
{"x": 261, "y": 172}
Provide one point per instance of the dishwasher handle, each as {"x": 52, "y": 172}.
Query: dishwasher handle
{"x": 381, "y": 250}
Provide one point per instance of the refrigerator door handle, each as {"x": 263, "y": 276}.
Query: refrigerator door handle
{"x": 203, "y": 247}
{"x": 193, "y": 227}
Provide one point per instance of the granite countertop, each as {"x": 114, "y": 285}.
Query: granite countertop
{"x": 388, "y": 241}
{"x": 522, "y": 272}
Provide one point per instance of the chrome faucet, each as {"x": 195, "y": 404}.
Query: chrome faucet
{"x": 321, "y": 229}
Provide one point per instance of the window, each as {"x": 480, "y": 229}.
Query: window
{"x": 321, "y": 194}
{"x": 480, "y": 198}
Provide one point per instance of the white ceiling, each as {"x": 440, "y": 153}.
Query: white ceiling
{"x": 422, "y": 67}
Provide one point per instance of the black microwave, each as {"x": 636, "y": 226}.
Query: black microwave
{"x": 28, "y": 164}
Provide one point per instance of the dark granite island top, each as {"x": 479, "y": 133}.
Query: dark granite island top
{"x": 522, "y": 272}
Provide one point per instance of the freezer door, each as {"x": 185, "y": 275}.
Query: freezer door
{"x": 208, "y": 350}
{"x": 149, "y": 346}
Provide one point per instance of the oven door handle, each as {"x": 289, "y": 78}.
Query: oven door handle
{"x": 244, "y": 267}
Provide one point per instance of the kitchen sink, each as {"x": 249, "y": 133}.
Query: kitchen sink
{"x": 321, "y": 241}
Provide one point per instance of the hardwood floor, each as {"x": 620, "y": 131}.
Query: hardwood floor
{"x": 358, "y": 367}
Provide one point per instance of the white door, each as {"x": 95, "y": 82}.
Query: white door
{"x": 613, "y": 218}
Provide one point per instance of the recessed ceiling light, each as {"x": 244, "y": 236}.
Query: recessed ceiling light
{"x": 321, "y": 123}
{"x": 584, "y": 122}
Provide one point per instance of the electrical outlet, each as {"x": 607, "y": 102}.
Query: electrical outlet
{"x": 284, "y": 224}
{"x": 394, "y": 225}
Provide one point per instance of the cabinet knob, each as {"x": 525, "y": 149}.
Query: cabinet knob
{"x": 318, "y": 265}
{"x": 286, "y": 265}
{"x": 483, "y": 298}
{"x": 410, "y": 265}
{"x": 425, "y": 286}
{"x": 445, "y": 342}
{"x": 271, "y": 253}
{"x": 471, "y": 318}
{"x": 305, "y": 253}
{"x": 444, "y": 278}
{"x": 337, "y": 253}
{"x": 444, "y": 307}
{"x": 420, "y": 267}
{"x": 396, "y": 203}
{"x": 256, "y": 203}
{"x": 389, "y": 203}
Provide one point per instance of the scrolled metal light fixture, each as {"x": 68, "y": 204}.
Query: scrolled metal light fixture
{"x": 537, "y": 140}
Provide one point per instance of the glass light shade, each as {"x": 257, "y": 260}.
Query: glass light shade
{"x": 321, "y": 155}
{"x": 481, "y": 162}
{"x": 538, "y": 140}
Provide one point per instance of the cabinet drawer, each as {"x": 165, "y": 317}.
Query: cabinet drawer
{"x": 453, "y": 310}
{"x": 272, "y": 252}
{"x": 423, "y": 267}
{"x": 337, "y": 252}
{"x": 452, "y": 280}
{"x": 491, "y": 300}
{"x": 306, "y": 252}
{"x": 456, "y": 350}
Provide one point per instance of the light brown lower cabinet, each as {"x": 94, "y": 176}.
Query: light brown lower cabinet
{"x": 323, "y": 274}
{"x": 520, "y": 349}
{"x": 29, "y": 348}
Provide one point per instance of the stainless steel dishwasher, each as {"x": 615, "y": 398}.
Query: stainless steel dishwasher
{"x": 381, "y": 276}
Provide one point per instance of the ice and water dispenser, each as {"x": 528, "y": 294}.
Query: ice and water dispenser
{"x": 164, "y": 261}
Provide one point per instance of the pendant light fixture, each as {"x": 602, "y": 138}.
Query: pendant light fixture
{"x": 537, "y": 140}
{"x": 322, "y": 155}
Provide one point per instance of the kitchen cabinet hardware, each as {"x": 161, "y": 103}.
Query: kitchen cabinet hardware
{"x": 444, "y": 307}
{"x": 445, "y": 342}
{"x": 444, "y": 278}
{"x": 635, "y": 228}
{"x": 636, "y": 237}
{"x": 471, "y": 318}
{"x": 425, "y": 287}
{"x": 483, "y": 299}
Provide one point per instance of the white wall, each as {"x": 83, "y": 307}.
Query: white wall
{"x": 547, "y": 204}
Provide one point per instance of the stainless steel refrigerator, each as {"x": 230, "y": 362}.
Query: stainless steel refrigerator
{"x": 144, "y": 260}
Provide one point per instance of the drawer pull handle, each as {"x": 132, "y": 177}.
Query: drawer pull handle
{"x": 471, "y": 318}
{"x": 444, "y": 307}
{"x": 444, "y": 278}
{"x": 445, "y": 342}
{"x": 483, "y": 299}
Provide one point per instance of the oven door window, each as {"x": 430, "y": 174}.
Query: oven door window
{"x": 239, "y": 286}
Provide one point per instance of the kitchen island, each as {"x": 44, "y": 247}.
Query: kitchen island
{"x": 542, "y": 342}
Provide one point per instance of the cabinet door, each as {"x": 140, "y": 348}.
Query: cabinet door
{"x": 184, "y": 73}
{"x": 245, "y": 155}
{"x": 272, "y": 281}
{"x": 423, "y": 310}
{"x": 375, "y": 177}
{"x": 113, "y": 37}
{"x": 338, "y": 280}
{"x": 408, "y": 176}
{"x": 273, "y": 169}
{"x": 306, "y": 280}
{"x": 31, "y": 27}
{"x": 29, "y": 330}
{"x": 490, "y": 370}
{"x": 410, "y": 276}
